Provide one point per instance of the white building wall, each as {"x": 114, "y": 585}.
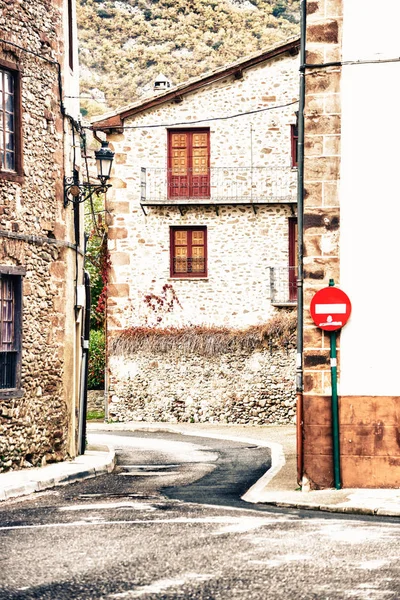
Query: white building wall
{"x": 241, "y": 245}
{"x": 370, "y": 199}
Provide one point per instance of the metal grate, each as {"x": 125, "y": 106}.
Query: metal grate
{"x": 8, "y": 369}
{"x": 283, "y": 285}
{"x": 189, "y": 265}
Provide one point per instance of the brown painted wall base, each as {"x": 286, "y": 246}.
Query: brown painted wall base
{"x": 369, "y": 441}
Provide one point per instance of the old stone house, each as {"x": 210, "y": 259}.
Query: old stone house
{"x": 41, "y": 244}
{"x": 203, "y": 236}
{"x": 351, "y": 219}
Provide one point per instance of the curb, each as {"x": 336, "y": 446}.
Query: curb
{"x": 89, "y": 465}
{"x": 347, "y": 510}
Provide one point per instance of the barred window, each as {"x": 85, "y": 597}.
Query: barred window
{"x": 188, "y": 251}
{"x": 7, "y": 121}
{"x": 10, "y": 312}
{"x": 10, "y": 123}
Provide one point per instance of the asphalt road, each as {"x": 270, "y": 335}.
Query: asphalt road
{"x": 169, "y": 523}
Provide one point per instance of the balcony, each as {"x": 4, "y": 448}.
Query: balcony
{"x": 218, "y": 186}
{"x": 283, "y": 286}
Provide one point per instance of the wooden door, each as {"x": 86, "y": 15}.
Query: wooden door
{"x": 188, "y": 164}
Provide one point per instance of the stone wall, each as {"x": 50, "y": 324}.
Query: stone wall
{"x": 253, "y": 388}
{"x": 95, "y": 401}
{"x": 37, "y": 420}
{"x": 242, "y": 245}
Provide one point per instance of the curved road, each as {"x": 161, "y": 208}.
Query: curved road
{"x": 169, "y": 523}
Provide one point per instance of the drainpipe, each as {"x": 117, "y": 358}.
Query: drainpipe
{"x": 84, "y": 368}
{"x": 300, "y": 226}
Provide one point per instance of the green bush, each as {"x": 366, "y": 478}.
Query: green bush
{"x": 97, "y": 360}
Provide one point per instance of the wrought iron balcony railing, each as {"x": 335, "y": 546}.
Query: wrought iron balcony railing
{"x": 218, "y": 185}
{"x": 283, "y": 285}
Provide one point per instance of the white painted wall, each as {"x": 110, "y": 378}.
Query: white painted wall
{"x": 242, "y": 246}
{"x": 370, "y": 199}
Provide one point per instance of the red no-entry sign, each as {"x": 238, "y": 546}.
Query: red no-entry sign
{"x": 330, "y": 308}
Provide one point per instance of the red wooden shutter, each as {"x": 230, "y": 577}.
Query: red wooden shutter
{"x": 198, "y": 251}
{"x": 178, "y": 181}
{"x": 180, "y": 251}
{"x": 189, "y": 164}
{"x": 200, "y": 183}
{"x": 293, "y": 259}
{"x": 294, "y": 136}
{"x": 188, "y": 252}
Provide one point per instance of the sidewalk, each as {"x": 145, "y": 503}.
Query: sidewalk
{"x": 95, "y": 461}
{"x": 277, "y": 487}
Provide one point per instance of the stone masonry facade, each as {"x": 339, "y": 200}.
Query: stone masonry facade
{"x": 36, "y": 235}
{"x": 321, "y": 224}
{"x": 249, "y": 388}
{"x": 243, "y": 245}
{"x": 321, "y": 179}
{"x": 368, "y": 424}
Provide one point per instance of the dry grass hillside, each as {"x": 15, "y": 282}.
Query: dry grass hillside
{"x": 125, "y": 44}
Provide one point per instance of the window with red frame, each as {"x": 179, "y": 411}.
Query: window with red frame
{"x": 294, "y": 136}
{"x": 189, "y": 163}
{"x": 188, "y": 252}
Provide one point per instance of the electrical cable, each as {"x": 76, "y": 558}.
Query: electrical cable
{"x": 346, "y": 63}
{"x": 209, "y": 119}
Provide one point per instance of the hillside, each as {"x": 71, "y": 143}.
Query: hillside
{"x": 125, "y": 44}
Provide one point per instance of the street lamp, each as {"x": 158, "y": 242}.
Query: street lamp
{"x": 76, "y": 192}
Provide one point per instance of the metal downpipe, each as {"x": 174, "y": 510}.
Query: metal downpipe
{"x": 300, "y": 249}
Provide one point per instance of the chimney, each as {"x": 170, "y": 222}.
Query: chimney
{"x": 161, "y": 83}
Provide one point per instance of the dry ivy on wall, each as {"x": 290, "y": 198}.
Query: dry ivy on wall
{"x": 280, "y": 331}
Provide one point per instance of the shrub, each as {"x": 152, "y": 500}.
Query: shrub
{"x": 97, "y": 360}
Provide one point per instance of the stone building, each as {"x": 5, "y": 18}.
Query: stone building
{"x": 41, "y": 245}
{"x": 203, "y": 234}
{"x": 350, "y": 234}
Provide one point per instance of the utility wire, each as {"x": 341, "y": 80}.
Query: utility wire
{"x": 243, "y": 114}
{"x": 345, "y": 63}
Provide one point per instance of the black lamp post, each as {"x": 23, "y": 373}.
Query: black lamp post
{"x": 76, "y": 192}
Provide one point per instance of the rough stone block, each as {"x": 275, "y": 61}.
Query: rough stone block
{"x": 331, "y": 145}
{"x": 332, "y": 104}
{"x": 322, "y": 125}
{"x": 326, "y": 32}
{"x": 120, "y": 259}
{"x": 326, "y": 80}
{"x": 314, "y": 145}
{"x": 118, "y": 290}
{"x": 117, "y": 233}
{"x": 323, "y": 168}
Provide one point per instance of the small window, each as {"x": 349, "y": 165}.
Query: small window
{"x": 10, "y": 331}
{"x": 188, "y": 252}
{"x": 10, "y": 154}
{"x": 294, "y": 135}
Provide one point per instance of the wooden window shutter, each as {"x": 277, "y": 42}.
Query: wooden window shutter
{"x": 188, "y": 252}
{"x": 189, "y": 164}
